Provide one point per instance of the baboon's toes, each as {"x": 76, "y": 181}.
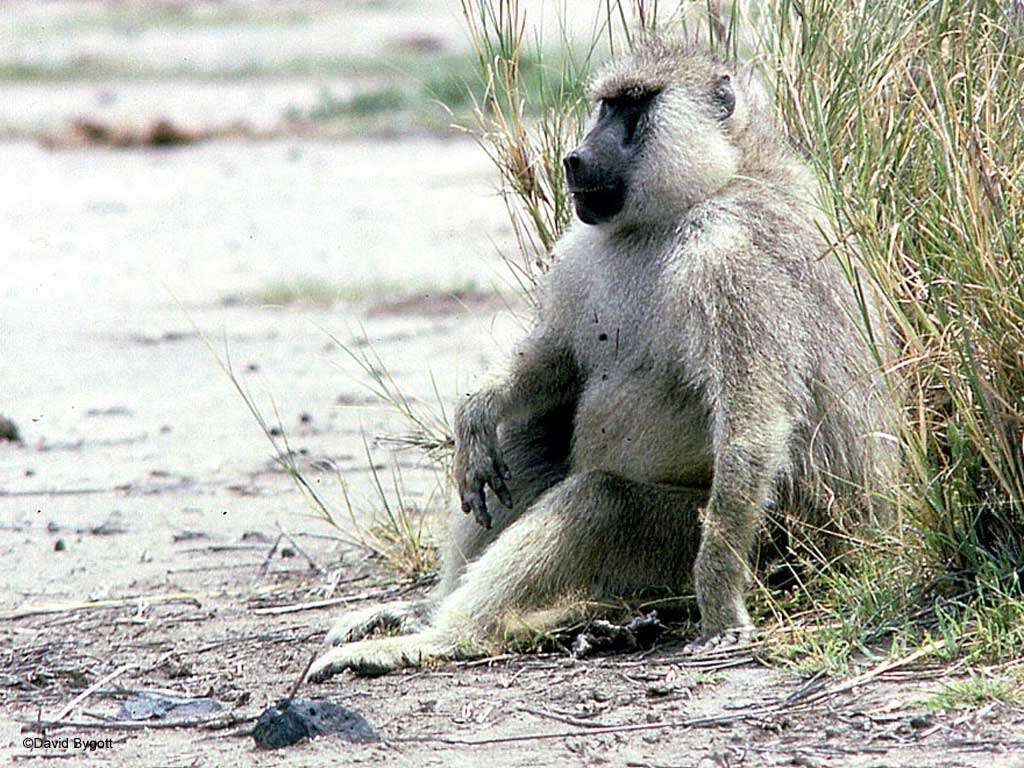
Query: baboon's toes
{"x": 398, "y": 617}
{"x": 719, "y": 641}
{"x": 379, "y": 656}
{"x": 337, "y": 660}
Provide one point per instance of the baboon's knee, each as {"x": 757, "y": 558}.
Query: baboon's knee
{"x": 639, "y": 534}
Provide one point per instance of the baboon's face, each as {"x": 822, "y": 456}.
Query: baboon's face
{"x": 598, "y": 172}
{"x": 664, "y": 136}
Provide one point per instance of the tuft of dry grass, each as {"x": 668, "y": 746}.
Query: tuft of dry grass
{"x": 389, "y": 527}
{"x": 526, "y": 131}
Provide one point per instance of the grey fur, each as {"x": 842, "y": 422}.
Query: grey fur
{"x": 695, "y": 361}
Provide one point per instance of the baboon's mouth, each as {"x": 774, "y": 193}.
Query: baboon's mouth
{"x": 581, "y": 190}
{"x": 595, "y": 205}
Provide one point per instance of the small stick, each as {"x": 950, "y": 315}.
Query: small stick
{"x": 488, "y": 660}
{"x": 302, "y": 677}
{"x": 567, "y": 719}
{"x": 594, "y": 729}
{"x": 316, "y": 604}
{"x": 89, "y": 605}
{"x": 220, "y": 548}
{"x": 209, "y": 723}
{"x": 871, "y": 674}
{"x": 812, "y": 685}
{"x": 44, "y": 755}
{"x": 270, "y": 556}
{"x": 328, "y": 602}
{"x": 88, "y": 692}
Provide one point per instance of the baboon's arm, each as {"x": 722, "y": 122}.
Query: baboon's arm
{"x": 755, "y": 388}
{"x": 540, "y": 375}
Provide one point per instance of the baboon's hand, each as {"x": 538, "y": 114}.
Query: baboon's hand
{"x": 478, "y": 463}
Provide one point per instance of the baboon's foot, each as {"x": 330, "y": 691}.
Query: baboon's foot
{"x": 381, "y": 655}
{"x": 720, "y": 641}
{"x": 401, "y": 617}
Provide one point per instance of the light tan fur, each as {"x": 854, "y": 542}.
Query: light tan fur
{"x": 696, "y": 361}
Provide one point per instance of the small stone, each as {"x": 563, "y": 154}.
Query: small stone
{"x": 293, "y": 720}
{"x": 59, "y": 545}
{"x": 920, "y": 721}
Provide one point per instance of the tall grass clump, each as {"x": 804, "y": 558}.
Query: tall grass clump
{"x": 912, "y": 115}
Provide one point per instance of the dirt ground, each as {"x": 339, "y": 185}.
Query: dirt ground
{"x": 139, "y": 512}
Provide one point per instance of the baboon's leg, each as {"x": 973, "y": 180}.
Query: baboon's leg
{"x": 536, "y": 453}
{"x": 592, "y": 535}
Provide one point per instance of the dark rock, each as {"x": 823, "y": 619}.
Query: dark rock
{"x": 292, "y": 720}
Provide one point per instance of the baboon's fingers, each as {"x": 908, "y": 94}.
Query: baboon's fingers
{"x": 500, "y": 466}
{"x": 501, "y": 489}
{"x": 499, "y": 477}
{"x": 475, "y": 502}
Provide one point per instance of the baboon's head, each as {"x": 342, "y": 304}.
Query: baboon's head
{"x": 671, "y": 126}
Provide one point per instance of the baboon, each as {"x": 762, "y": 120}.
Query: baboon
{"x": 698, "y": 360}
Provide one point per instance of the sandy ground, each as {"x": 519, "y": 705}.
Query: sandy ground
{"x": 142, "y": 480}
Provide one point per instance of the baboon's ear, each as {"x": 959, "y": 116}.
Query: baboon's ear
{"x": 725, "y": 96}
{"x": 755, "y": 92}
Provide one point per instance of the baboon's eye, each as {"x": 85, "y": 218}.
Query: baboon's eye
{"x": 631, "y": 120}
{"x": 725, "y": 97}
{"x": 629, "y": 109}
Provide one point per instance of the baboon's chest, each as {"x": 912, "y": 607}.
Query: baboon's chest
{"x": 612, "y": 324}
{"x": 619, "y": 326}
{"x": 636, "y": 416}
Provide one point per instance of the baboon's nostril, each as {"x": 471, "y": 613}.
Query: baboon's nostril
{"x": 572, "y": 162}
